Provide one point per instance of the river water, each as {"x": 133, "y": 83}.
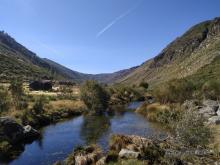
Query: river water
{"x": 60, "y": 139}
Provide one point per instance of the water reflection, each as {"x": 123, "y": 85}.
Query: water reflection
{"x": 94, "y": 127}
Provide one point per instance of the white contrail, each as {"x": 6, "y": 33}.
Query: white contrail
{"x": 113, "y": 22}
{"x": 121, "y": 16}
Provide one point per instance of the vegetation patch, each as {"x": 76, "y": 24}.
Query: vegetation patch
{"x": 94, "y": 96}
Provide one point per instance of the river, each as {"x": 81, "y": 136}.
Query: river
{"x": 60, "y": 139}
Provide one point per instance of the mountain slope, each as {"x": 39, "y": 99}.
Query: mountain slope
{"x": 18, "y": 61}
{"x": 186, "y": 55}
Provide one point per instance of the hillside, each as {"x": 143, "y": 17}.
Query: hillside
{"x": 18, "y": 61}
{"x": 185, "y": 56}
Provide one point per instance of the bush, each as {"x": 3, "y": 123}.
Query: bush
{"x": 211, "y": 89}
{"x": 23, "y": 103}
{"x": 16, "y": 87}
{"x": 192, "y": 131}
{"x": 169, "y": 116}
{"x": 121, "y": 95}
{"x": 17, "y": 92}
{"x": 151, "y": 110}
{"x": 38, "y": 107}
{"x": 166, "y": 115}
{"x": 144, "y": 85}
{"x": 5, "y": 101}
{"x": 94, "y": 96}
{"x": 175, "y": 91}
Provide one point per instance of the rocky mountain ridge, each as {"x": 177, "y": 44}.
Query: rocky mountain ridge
{"x": 186, "y": 55}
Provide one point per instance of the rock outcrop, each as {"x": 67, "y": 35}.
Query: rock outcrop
{"x": 14, "y": 133}
{"x": 214, "y": 120}
{"x": 129, "y": 154}
{"x": 210, "y": 109}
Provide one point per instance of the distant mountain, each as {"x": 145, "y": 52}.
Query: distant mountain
{"x": 18, "y": 61}
{"x": 189, "y": 54}
{"x": 111, "y": 78}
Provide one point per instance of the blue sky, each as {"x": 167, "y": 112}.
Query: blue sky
{"x": 101, "y": 36}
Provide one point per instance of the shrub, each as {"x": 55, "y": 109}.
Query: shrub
{"x": 192, "y": 131}
{"x": 5, "y": 101}
{"x": 164, "y": 114}
{"x": 16, "y": 87}
{"x": 23, "y": 103}
{"x": 38, "y": 107}
{"x": 17, "y": 92}
{"x": 211, "y": 89}
{"x": 175, "y": 91}
{"x": 144, "y": 85}
{"x": 94, "y": 96}
{"x": 169, "y": 116}
{"x": 123, "y": 94}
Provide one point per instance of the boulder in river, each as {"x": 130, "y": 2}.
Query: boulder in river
{"x": 30, "y": 132}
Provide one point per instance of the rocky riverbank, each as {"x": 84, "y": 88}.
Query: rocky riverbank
{"x": 16, "y": 132}
{"x": 210, "y": 109}
{"x": 49, "y": 117}
{"x": 13, "y": 136}
{"x": 139, "y": 150}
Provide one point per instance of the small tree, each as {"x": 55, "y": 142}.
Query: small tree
{"x": 94, "y": 96}
{"x": 192, "y": 131}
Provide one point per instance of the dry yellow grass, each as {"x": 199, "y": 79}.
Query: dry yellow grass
{"x": 216, "y": 136}
{"x": 65, "y": 104}
{"x": 151, "y": 110}
{"x": 157, "y": 107}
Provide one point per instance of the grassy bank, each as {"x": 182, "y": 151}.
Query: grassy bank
{"x": 39, "y": 108}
